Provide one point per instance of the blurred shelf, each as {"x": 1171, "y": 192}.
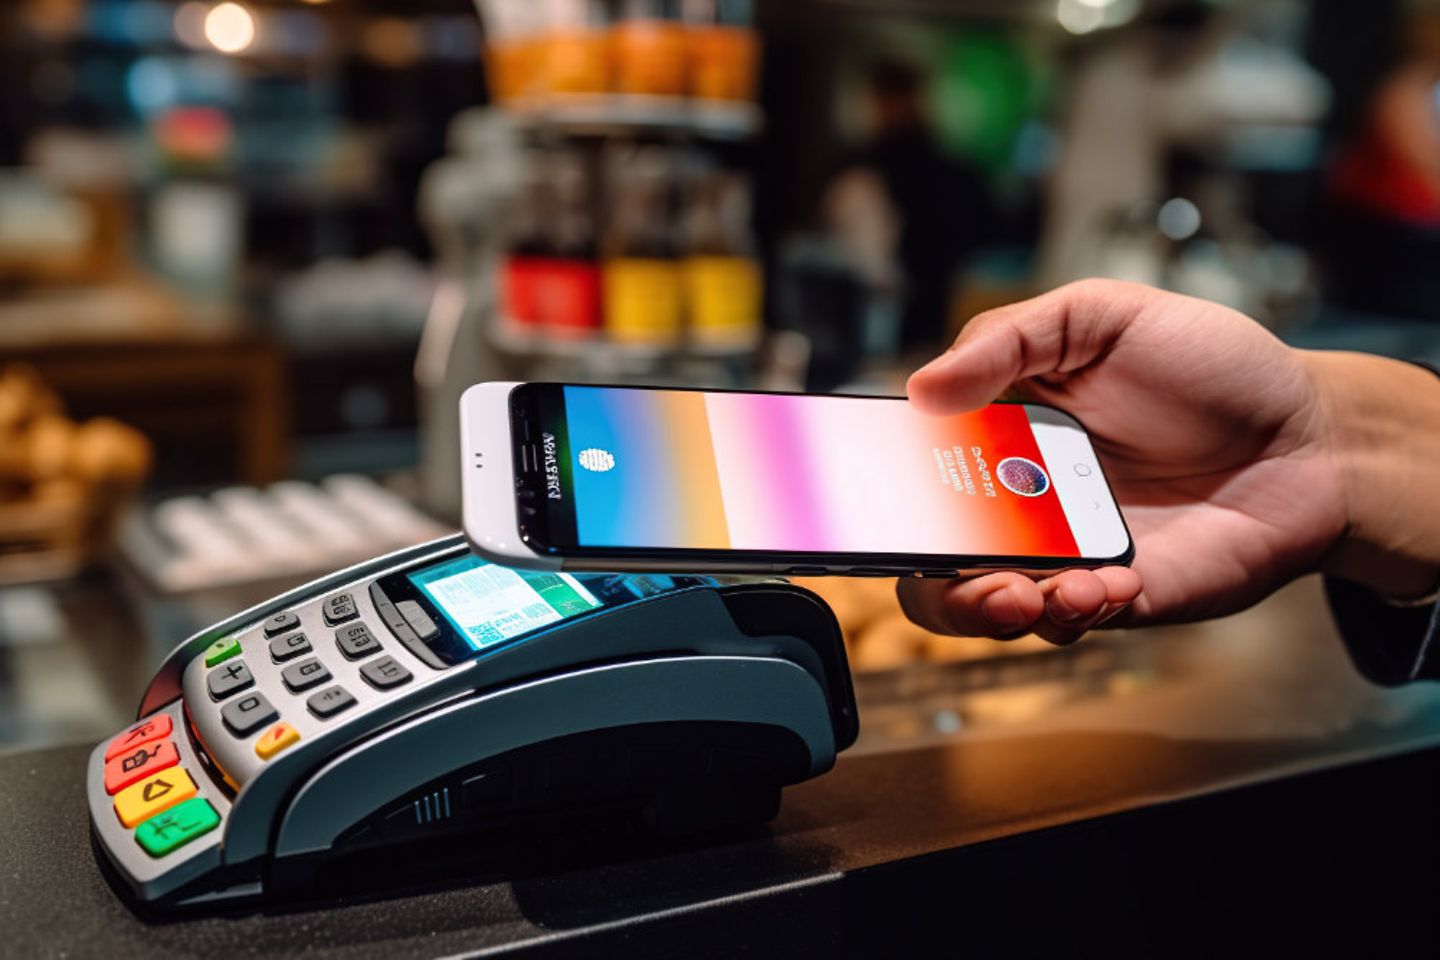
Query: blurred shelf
{"x": 598, "y": 351}
{"x": 602, "y": 115}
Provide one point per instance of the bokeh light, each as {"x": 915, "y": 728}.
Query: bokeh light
{"x": 230, "y": 28}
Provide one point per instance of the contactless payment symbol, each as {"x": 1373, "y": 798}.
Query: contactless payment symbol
{"x": 1025, "y": 477}
{"x": 597, "y": 460}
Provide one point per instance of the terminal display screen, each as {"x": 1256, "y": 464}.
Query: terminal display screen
{"x": 487, "y": 604}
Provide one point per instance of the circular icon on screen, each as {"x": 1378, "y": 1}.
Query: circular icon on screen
{"x": 1022, "y": 476}
{"x": 600, "y": 461}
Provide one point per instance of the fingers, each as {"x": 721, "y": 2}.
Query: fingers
{"x": 996, "y": 605}
{"x": 1077, "y": 601}
{"x": 1005, "y": 605}
{"x": 1060, "y": 331}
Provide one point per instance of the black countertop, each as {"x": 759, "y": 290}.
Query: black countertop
{"x": 1224, "y": 793}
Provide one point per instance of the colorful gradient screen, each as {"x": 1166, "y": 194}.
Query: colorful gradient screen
{"x": 676, "y": 469}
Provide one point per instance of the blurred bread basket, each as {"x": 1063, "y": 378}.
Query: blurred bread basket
{"x": 64, "y": 486}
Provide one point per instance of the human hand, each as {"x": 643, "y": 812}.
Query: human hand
{"x": 1214, "y": 435}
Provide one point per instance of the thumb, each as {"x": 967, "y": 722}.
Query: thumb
{"x": 1057, "y": 332}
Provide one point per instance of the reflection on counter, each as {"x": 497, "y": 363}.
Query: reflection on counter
{"x": 916, "y": 688}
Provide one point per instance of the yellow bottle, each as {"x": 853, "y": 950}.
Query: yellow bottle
{"x": 723, "y": 294}
{"x": 643, "y": 300}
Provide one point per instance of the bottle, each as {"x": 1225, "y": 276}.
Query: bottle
{"x": 722, "y": 280}
{"x": 648, "y": 43}
{"x": 571, "y": 304}
{"x": 576, "y": 48}
{"x": 642, "y": 271}
{"x": 522, "y": 274}
{"x": 514, "y": 43}
{"x": 722, "y": 49}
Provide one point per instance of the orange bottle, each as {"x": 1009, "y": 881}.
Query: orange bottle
{"x": 576, "y": 48}
{"x": 722, "y": 50}
{"x": 648, "y": 45}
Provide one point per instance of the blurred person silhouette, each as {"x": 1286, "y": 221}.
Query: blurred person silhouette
{"x": 910, "y": 212}
{"x": 1381, "y": 232}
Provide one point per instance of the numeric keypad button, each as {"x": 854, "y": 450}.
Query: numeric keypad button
{"x": 247, "y": 714}
{"x": 289, "y": 647}
{"x": 304, "y": 675}
{"x": 280, "y": 623}
{"x": 356, "y": 641}
{"x": 330, "y": 701}
{"x": 340, "y": 608}
{"x": 230, "y": 677}
{"x": 384, "y": 673}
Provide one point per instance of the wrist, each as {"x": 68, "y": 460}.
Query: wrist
{"x": 1382, "y": 424}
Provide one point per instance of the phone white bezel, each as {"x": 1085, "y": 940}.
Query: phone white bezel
{"x": 488, "y": 479}
{"x": 1080, "y": 483}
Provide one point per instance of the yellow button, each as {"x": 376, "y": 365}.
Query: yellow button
{"x": 275, "y": 739}
{"x": 141, "y": 801}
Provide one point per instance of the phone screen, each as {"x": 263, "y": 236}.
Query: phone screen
{"x": 790, "y": 474}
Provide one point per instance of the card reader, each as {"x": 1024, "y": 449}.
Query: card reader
{"x": 430, "y": 691}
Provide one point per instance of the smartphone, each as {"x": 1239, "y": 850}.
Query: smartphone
{"x": 572, "y": 477}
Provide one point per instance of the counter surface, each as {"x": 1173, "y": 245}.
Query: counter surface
{"x": 1280, "y": 781}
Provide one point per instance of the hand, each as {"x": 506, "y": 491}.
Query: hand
{"x": 1215, "y": 437}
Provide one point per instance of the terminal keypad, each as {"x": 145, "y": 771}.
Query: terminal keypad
{"x": 153, "y": 793}
{"x": 245, "y": 711}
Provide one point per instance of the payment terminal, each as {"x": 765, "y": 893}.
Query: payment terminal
{"x": 431, "y": 692}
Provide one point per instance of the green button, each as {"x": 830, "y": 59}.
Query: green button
{"x": 221, "y": 650}
{"x": 176, "y": 826}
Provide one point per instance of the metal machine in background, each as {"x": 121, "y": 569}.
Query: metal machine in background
{"x": 464, "y": 200}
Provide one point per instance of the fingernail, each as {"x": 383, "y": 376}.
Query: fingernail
{"x": 1060, "y": 610}
{"x": 1001, "y": 612}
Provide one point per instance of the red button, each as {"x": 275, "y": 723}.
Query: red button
{"x": 152, "y": 729}
{"x": 139, "y": 763}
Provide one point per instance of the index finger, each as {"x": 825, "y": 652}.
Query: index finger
{"x": 1057, "y": 332}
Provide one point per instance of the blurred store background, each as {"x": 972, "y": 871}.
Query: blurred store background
{"x": 251, "y": 252}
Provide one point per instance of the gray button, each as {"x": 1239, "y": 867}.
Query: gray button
{"x": 330, "y": 701}
{"x": 356, "y": 641}
{"x": 304, "y": 675}
{"x": 230, "y": 677}
{"x": 340, "y": 608}
{"x": 281, "y": 622}
{"x": 384, "y": 673}
{"x": 247, "y": 714}
{"x": 387, "y": 612}
{"x": 289, "y": 647}
{"x": 418, "y": 619}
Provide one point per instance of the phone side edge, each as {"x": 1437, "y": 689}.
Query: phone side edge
{"x": 488, "y": 479}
